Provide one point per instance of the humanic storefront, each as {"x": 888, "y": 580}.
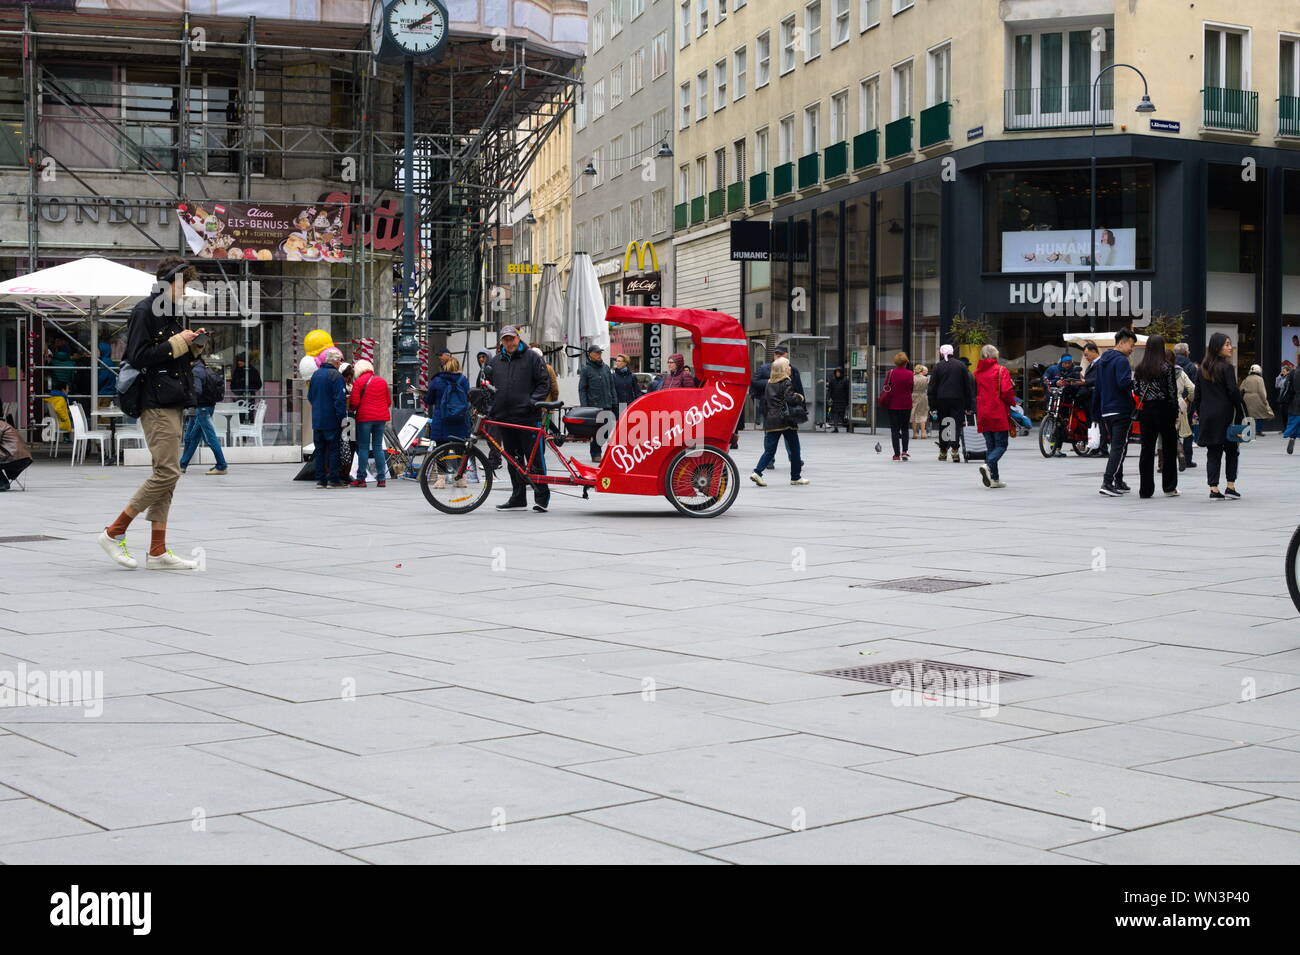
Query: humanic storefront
{"x": 999, "y": 231}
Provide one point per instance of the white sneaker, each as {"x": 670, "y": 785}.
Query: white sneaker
{"x": 1174, "y": 493}
{"x": 801, "y": 481}
{"x": 998, "y": 484}
{"x": 985, "y": 476}
{"x": 116, "y": 549}
{"x": 758, "y": 479}
{"x": 169, "y": 561}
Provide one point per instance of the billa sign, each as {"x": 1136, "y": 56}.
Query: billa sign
{"x": 751, "y": 241}
{"x": 523, "y": 268}
{"x": 647, "y": 283}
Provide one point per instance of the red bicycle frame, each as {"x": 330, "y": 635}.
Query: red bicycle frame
{"x": 576, "y": 475}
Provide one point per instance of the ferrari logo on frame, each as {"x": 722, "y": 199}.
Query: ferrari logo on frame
{"x": 604, "y": 484}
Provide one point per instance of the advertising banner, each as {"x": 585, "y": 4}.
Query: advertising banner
{"x": 1291, "y": 344}
{"x": 263, "y": 231}
{"x": 1061, "y": 249}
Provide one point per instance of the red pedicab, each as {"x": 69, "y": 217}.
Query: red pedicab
{"x": 671, "y": 442}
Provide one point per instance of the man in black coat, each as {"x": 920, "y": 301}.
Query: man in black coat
{"x": 596, "y": 390}
{"x": 520, "y": 379}
{"x": 951, "y": 393}
{"x": 758, "y": 384}
{"x": 837, "y": 397}
{"x": 162, "y": 351}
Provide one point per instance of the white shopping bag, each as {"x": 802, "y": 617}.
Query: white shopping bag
{"x": 1094, "y": 436}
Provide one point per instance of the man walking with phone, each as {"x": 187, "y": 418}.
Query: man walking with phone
{"x": 162, "y": 351}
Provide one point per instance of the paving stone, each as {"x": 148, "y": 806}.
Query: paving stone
{"x": 1124, "y": 745}
{"x": 679, "y": 824}
{"x": 1282, "y": 813}
{"x": 26, "y": 820}
{"x": 1038, "y": 830}
{"x": 345, "y": 824}
{"x": 1188, "y": 841}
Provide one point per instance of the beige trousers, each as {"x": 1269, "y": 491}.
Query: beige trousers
{"x": 162, "y": 432}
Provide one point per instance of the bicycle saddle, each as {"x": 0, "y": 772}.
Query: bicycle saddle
{"x": 548, "y": 405}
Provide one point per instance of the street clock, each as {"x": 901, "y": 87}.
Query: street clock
{"x": 408, "y": 28}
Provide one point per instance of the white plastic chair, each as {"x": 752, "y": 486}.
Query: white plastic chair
{"x": 254, "y": 430}
{"x": 82, "y": 435}
{"x": 132, "y": 433}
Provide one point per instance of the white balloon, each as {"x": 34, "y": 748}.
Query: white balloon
{"x": 306, "y": 367}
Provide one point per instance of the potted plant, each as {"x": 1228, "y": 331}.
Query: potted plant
{"x": 969, "y": 335}
{"x": 1169, "y": 327}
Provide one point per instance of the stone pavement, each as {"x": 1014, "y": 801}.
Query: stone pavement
{"x": 356, "y": 678}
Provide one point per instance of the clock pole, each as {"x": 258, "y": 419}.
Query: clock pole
{"x": 408, "y": 364}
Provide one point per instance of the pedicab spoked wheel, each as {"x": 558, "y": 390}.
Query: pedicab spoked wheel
{"x": 1080, "y": 448}
{"x": 1292, "y": 553}
{"x": 457, "y": 465}
{"x": 1046, "y": 435}
{"x": 701, "y": 482}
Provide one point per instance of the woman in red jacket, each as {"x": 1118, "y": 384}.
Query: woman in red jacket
{"x": 896, "y": 400}
{"x": 369, "y": 403}
{"x": 994, "y": 394}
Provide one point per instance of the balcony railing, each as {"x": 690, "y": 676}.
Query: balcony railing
{"x": 935, "y": 122}
{"x": 757, "y": 188}
{"x": 783, "y": 179}
{"x": 898, "y": 138}
{"x": 681, "y": 215}
{"x": 809, "y": 170}
{"x": 835, "y": 161}
{"x": 1057, "y": 107}
{"x": 1288, "y": 117}
{"x": 697, "y": 210}
{"x": 866, "y": 149}
{"x": 717, "y": 203}
{"x": 735, "y": 197}
{"x": 1235, "y": 111}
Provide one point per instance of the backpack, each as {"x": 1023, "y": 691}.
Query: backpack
{"x": 455, "y": 401}
{"x": 214, "y": 388}
{"x": 128, "y": 390}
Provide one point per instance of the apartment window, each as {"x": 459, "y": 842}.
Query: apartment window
{"x": 638, "y": 8}
{"x": 785, "y": 141}
{"x": 738, "y": 4}
{"x": 617, "y": 16}
{"x": 938, "y": 77}
{"x": 812, "y": 28}
{"x": 840, "y": 27}
{"x": 740, "y": 73}
{"x": 559, "y": 239}
{"x": 722, "y": 10}
{"x": 598, "y": 234}
{"x": 903, "y": 90}
{"x": 701, "y": 176}
{"x": 868, "y": 15}
{"x": 1288, "y": 73}
{"x": 683, "y": 182}
{"x": 719, "y": 85}
{"x": 598, "y": 99}
{"x": 867, "y": 112}
{"x": 659, "y": 211}
{"x": 760, "y": 150}
{"x": 684, "y": 24}
{"x": 812, "y": 128}
{"x": 763, "y": 56}
{"x": 738, "y": 160}
{"x": 580, "y": 110}
{"x": 659, "y": 56}
{"x": 616, "y": 86}
{"x": 1227, "y": 58}
{"x": 1053, "y": 73}
{"x": 701, "y": 96}
{"x": 598, "y": 32}
{"x": 659, "y": 126}
{"x": 636, "y": 147}
{"x": 787, "y": 45}
{"x": 901, "y": 5}
{"x": 840, "y": 117}
{"x": 580, "y": 237}
{"x": 617, "y": 228}
{"x": 719, "y": 167}
{"x": 702, "y": 20}
{"x": 684, "y": 105}
{"x": 617, "y": 156}
{"x": 636, "y": 219}
{"x": 636, "y": 72}
{"x": 598, "y": 162}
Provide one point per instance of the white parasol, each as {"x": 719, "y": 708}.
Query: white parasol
{"x": 584, "y": 314}
{"x": 548, "y": 316}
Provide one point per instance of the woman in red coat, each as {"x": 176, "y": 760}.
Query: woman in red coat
{"x": 369, "y": 403}
{"x": 994, "y": 394}
{"x": 896, "y": 400}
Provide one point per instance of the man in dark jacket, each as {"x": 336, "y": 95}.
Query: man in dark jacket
{"x": 520, "y": 379}
{"x": 837, "y": 398}
{"x": 596, "y": 390}
{"x": 329, "y": 406}
{"x": 951, "y": 393}
{"x": 1183, "y": 359}
{"x": 758, "y": 384}
{"x": 245, "y": 381}
{"x": 14, "y": 456}
{"x": 162, "y": 351}
{"x": 208, "y": 387}
{"x": 482, "y": 359}
{"x": 1112, "y": 405}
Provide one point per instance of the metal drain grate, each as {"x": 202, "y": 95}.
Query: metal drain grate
{"x": 923, "y": 585}
{"x": 28, "y": 540}
{"x": 920, "y": 673}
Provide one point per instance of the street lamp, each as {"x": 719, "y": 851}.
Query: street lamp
{"x": 665, "y": 151}
{"x": 1144, "y": 106}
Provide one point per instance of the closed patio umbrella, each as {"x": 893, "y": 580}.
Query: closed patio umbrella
{"x": 584, "y": 319}
{"x": 548, "y": 316}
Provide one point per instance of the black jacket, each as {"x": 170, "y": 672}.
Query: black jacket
{"x": 165, "y": 380}
{"x": 596, "y": 385}
{"x": 1218, "y": 403}
{"x": 837, "y": 392}
{"x": 758, "y": 385}
{"x": 774, "y": 395}
{"x": 520, "y": 380}
{"x": 1189, "y": 367}
{"x": 246, "y": 380}
{"x": 625, "y": 385}
{"x": 951, "y": 383}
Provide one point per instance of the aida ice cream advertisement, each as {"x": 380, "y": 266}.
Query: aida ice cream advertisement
{"x": 1060, "y": 249}
{"x": 263, "y": 231}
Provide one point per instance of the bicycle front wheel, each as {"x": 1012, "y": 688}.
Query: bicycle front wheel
{"x": 455, "y": 478}
{"x": 1292, "y": 582}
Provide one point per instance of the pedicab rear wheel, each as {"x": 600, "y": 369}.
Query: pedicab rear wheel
{"x": 701, "y": 482}
{"x": 1292, "y": 583}
{"x": 449, "y": 460}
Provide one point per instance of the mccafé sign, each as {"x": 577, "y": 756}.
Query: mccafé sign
{"x": 647, "y": 284}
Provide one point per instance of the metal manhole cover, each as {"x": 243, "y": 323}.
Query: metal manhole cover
{"x": 923, "y": 585}
{"x": 924, "y": 673}
{"x": 28, "y": 540}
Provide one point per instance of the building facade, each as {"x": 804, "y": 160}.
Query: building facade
{"x": 621, "y": 125}
{"x": 925, "y": 159}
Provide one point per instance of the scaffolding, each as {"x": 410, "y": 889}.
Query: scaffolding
{"x": 132, "y": 108}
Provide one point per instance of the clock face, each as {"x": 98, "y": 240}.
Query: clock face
{"x": 376, "y": 26}
{"x": 417, "y": 26}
